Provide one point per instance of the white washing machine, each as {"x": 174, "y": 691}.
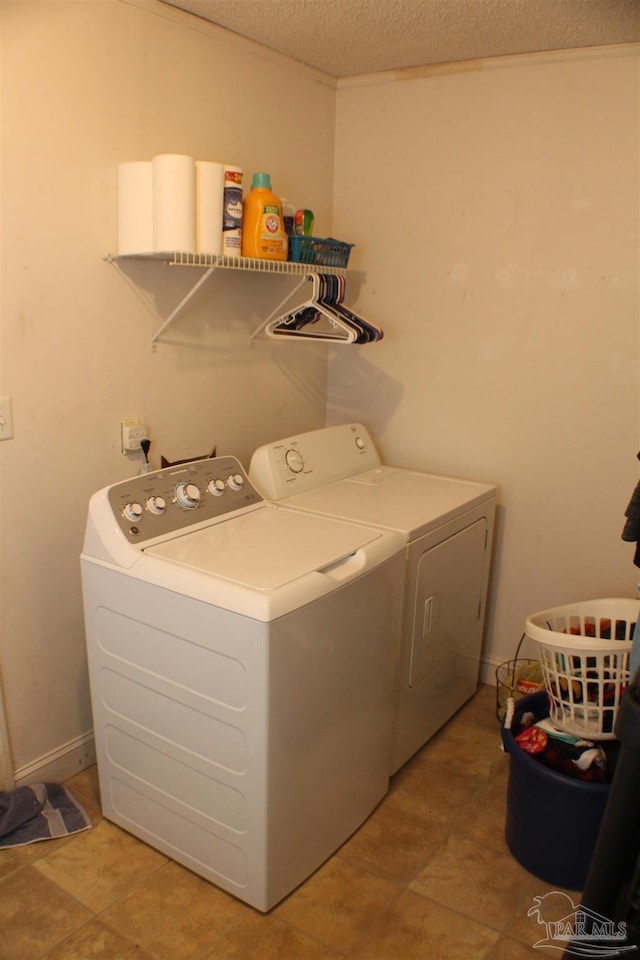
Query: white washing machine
{"x": 241, "y": 660}
{"x": 447, "y": 526}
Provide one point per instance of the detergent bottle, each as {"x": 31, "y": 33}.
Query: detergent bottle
{"x": 263, "y": 233}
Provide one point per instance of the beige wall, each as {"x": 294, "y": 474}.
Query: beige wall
{"x": 495, "y": 208}
{"x": 86, "y": 85}
{"x": 495, "y": 214}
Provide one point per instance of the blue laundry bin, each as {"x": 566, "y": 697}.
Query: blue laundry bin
{"x": 552, "y": 820}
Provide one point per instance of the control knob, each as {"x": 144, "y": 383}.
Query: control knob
{"x": 133, "y": 511}
{"x": 187, "y": 495}
{"x": 216, "y": 487}
{"x": 236, "y": 481}
{"x": 293, "y": 459}
{"x": 156, "y": 505}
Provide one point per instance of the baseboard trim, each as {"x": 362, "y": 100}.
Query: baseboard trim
{"x": 59, "y": 764}
{"x": 488, "y": 669}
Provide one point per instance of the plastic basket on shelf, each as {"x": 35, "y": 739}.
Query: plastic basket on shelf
{"x": 584, "y": 654}
{"x": 322, "y": 252}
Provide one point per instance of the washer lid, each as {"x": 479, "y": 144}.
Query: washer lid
{"x": 268, "y": 547}
{"x": 407, "y": 501}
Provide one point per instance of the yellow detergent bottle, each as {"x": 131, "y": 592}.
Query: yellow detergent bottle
{"x": 263, "y": 233}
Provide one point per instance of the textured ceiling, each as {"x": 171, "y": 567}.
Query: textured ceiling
{"x": 350, "y": 37}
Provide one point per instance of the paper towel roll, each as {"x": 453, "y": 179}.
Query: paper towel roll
{"x": 174, "y": 203}
{"x": 135, "y": 207}
{"x": 209, "y": 205}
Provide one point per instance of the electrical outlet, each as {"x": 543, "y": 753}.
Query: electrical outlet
{"x": 132, "y": 433}
{"x": 6, "y": 419}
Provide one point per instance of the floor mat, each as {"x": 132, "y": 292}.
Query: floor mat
{"x": 40, "y": 811}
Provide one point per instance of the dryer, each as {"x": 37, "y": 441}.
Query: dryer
{"x": 241, "y": 662}
{"x": 447, "y": 526}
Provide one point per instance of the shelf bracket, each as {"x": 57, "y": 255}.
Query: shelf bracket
{"x": 180, "y": 307}
{"x": 211, "y": 262}
{"x": 145, "y": 300}
{"x": 277, "y": 310}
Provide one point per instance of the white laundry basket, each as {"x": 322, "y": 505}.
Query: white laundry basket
{"x": 584, "y": 654}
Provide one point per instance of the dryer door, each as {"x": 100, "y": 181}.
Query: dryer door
{"x": 447, "y": 623}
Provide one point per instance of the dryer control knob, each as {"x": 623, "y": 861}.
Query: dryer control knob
{"x": 187, "y": 495}
{"x": 293, "y": 459}
{"x": 216, "y": 487}
{"x": 236, "y": 481}
{"x": 156, "y": 505}
{"x": 359, "y": 443}
{"x": 133, "y": 511}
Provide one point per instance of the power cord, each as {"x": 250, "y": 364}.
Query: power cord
{"x": 144, "y": 446}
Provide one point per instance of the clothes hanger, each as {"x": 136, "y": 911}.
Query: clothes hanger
{"x": 299, "y": 322}
{"x": 328, "y": 292}
{"x": 328, "y": 297}
{"x": 333, "y": 296}
{"x": 323, "y": 316}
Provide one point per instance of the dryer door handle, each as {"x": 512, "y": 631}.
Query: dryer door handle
{"x": 428, "y": 616}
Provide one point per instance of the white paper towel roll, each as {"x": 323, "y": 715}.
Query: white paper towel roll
{"x": 174, "y": 203}
{"x": 135, "y": 207}
{"x": 209, "y": 205}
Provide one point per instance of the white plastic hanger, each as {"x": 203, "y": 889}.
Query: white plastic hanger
{"x": 322, "y": 316}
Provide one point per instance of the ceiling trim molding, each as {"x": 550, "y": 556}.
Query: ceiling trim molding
{"x": 508, "y": 61}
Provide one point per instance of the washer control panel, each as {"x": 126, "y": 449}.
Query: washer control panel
{"x": 310, "y": 460}
{"x": 168, "y": 501}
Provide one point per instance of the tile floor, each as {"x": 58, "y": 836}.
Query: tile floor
{"x": 427, "y": 877}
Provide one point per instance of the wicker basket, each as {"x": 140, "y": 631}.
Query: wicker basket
{"x": 516, "y": 679}
{"x": 584, "y": 654}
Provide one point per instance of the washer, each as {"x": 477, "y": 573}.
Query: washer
{"x": 447, "y": 526}
{"x": 241, "y": 663}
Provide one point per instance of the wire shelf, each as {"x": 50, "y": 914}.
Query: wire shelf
{"x": 208, "y": 260}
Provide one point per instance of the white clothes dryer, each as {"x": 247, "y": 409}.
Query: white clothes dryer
{"x": 447, "y": 526}
{"x": 241, "y": 661}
